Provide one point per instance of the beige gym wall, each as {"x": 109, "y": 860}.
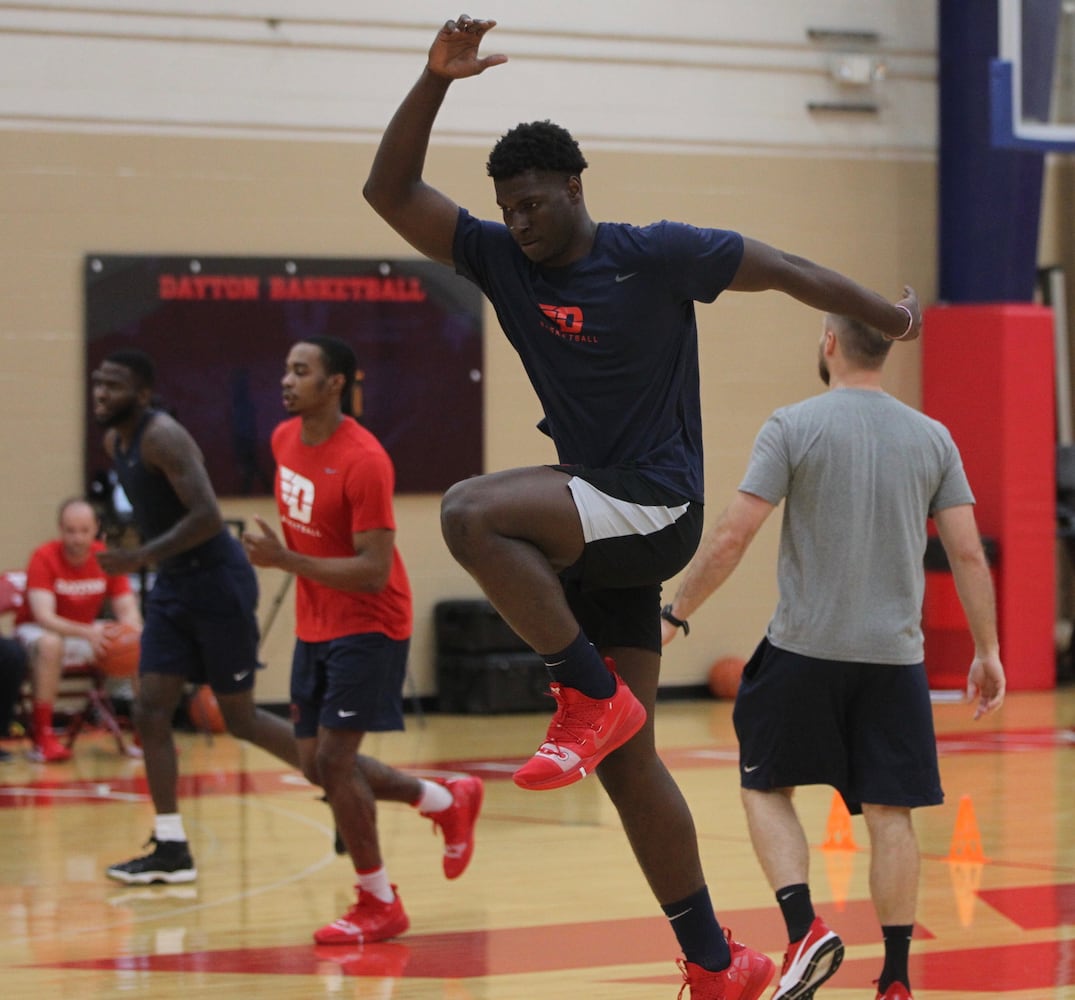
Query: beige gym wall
{"x": 63, "y": 195}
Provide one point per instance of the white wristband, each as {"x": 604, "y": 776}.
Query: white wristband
{"x": 910, "y": 323}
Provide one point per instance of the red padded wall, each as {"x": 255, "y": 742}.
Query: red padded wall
{"x": 987, "y": 374}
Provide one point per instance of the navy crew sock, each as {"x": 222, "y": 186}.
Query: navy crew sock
{"x": 580, "y": 666}
{"x": 698, "y": 931}
{"x": 797, "y": 909}
{"x": 897, "y": 950}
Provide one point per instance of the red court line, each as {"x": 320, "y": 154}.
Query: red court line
{"x": 550, "y": 948}
{"x": 1044, "y": 965}
{"x": 60, "y": 792}
{"x": 1034, "y": 907}
{"x": 1017, "y": 967}
{"x": 474, "y": 954}
{"x": 37, "y": 793}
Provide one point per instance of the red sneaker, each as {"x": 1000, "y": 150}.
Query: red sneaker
{"x": 457, "y": 822}
{"x": 583, "y": 732}
{"x": 808, "y": 962}
{"x": 48, "y": 749}
{"x": 370, "y": 919}
{"x": 895, "y": 991}
{"x": 745, "y": 979}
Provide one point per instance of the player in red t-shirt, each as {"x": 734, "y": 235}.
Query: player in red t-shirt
{"x": 59, "y": 622}
{"x": 334, "y": 484}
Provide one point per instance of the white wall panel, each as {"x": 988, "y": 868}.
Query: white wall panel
{"x": 705, "y": 75}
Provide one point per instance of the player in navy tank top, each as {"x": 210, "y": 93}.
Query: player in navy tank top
{"x": 200, "y": 623}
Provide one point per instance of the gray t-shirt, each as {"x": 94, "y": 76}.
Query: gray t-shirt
{"x": 860, "y": 473}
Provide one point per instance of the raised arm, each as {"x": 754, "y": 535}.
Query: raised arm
{"x": 421, "y": 214}
{"x": 718, "y": 554}
{"x": 765, "y": 268}
{"x": 974, "y": 584}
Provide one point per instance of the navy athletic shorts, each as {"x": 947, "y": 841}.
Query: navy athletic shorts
{"x": 637, "y": 536}
{"x": 866, "y": 729}
{"x": 201, "y": 622}
{"x": 354, "y": 682}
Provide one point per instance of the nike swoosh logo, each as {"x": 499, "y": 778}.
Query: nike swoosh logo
{"x": 345, "y": 715}
{"x": 242, "y": 676}
{"x": 747, "y": 770}
{"x": 624, "y": 277}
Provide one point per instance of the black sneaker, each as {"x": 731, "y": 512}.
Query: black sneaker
{"x": 169, "y": 861}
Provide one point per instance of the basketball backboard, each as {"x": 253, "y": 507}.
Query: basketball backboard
{"x": 1032, "y": 81}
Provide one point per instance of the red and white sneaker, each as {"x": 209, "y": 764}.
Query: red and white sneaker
{"x": 457, "y": 821}
{"x": 808, "y": 962}
{"x": 47, "y": 749}
{"x": 745, "y": 979}
{"x": 370, "y": 919}
{"x": 583, "y": 732}
{"x": 895, "y": 991}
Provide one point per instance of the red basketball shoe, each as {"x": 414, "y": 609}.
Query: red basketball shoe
{"x": 370, "y": 919}
{"x": 583, "y": 732}
{"x": 745, "y": 979}
{"x": 457, "y": 822}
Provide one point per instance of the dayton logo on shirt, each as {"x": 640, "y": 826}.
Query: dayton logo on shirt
{"x": 566, "y": 322}
{"x": 298, "y": 493}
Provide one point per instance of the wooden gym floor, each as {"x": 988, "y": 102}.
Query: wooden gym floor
{"x": 552, "y": 905}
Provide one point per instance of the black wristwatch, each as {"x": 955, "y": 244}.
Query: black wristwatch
{"x": 666, "y": 614}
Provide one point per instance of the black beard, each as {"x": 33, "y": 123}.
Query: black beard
{"x": 823, "y": 370}
{"x": 117, "y": 417}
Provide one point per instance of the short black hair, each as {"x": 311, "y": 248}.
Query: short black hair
{"x": 540, "y": 146}
{"x": 139, "y": 363}
{"x": 338, "y": 359}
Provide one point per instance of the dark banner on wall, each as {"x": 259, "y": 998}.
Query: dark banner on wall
{"x": 219, "y": 329}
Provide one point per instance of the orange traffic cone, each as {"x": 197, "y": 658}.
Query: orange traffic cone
{"x": 966, "y": 839}
{"x": 838, "y": 836}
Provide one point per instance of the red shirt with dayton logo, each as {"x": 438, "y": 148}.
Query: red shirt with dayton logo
{"x": 326, "y": 494}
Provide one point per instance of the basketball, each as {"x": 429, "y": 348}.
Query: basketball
{"x": 204, "y": 711}
{"x": 121, "y": 654}
{"x": 724, "y": 676}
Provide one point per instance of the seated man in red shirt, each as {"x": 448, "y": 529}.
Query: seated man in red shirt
{"x": 59, "y": 623}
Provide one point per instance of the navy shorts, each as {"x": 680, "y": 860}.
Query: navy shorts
{"x": 637, "y": 536}
{"x": 866, "y": 729}
{"x": 201, "y": 623}
{"x": 354, "y": 682}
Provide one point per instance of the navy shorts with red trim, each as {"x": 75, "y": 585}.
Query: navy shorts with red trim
{"x": 354, "y": 682}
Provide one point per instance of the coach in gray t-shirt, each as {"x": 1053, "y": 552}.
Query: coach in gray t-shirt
{"x": 866, "y": 470}
{"x": 837, "y": 692}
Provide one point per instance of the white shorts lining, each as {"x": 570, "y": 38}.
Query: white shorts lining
{"x": 607, "y": 517}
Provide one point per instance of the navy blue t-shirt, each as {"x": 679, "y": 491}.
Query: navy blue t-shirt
{"x": 610, "y": 342}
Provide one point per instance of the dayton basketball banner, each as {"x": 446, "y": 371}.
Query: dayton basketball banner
{"x": 219, "y": 329}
